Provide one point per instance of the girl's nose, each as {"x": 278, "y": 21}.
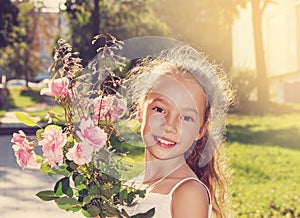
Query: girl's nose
{"x": 171, "y": 124}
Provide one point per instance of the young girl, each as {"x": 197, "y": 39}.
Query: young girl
{"x": 181, "y": 104}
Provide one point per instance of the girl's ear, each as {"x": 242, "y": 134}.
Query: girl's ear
{"x": 203, "y": 130}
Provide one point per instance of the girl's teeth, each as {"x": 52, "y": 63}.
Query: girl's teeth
{"x": 165, "y": 141}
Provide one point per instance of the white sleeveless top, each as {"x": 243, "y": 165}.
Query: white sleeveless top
{"x": 162, "y": 202}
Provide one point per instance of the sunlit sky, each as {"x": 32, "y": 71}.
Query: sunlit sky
{"x": 53, "y": 5}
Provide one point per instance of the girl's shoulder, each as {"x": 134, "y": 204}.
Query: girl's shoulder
{"x": 191, "y": 196}
{"x": 191, "y": 186}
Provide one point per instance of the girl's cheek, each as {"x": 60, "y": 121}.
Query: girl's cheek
{"x": 190, "y": 126}
{"x": 151, "y": 123}
{"x": 190, "y": 130}
{"x": 156, "y": 121}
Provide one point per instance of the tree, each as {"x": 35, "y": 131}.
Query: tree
{"x": 22, "y": 58}
{"x": 84, "y": 23}
{"x": 263, "y": 95}
{"x": 123, "y": 19}
{"x": 8, "y": 15}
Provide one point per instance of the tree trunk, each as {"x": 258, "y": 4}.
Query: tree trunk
{"x": 263, "y": 96}
{"x": 31, "y": 34}
{"x": 95, "y": 18}
{"x": 95, "y": 25}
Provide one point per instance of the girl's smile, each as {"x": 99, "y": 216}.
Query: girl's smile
{"x": 164, "y": 142}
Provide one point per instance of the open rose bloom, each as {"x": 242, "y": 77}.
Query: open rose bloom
{"x": 80, "y": 153}
{"x": 91, "y": 134}
{"x": 23, "y": 151}
{"x": 19, "y": 137}
{"x": 57, "y": 87}
{"x": 52, "y": 145}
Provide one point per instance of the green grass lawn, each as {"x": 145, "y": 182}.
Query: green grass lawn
{"x": 2, "y": 113}
{"x": 264, "y": 154}
{"x": 21, "y": 97}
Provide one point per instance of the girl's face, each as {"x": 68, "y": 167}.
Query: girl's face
{"x": 172, "y": 116}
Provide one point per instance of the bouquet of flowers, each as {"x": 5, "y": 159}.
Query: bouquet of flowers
{"x": 82, "y": 145}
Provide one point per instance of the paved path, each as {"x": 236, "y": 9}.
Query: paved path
{"x": 18, "y": 188}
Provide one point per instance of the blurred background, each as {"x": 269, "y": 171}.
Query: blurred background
{"x": 257, "y": 43}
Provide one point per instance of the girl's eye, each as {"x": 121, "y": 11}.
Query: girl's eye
{"x": 187, "y": 118}
{"x": 158, "y": 109}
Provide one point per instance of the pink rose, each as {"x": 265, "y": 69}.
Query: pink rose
{"x": 109, "y": 108}
{"x": 57, "y": 87}
{"x": 52, "y": 145}
{"x": 18, "y": 137}
{"x": 24, "y": 154}
{"x": 94, "y": 135}
{"x": 80, "y": 153}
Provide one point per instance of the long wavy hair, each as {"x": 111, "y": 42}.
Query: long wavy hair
{"x": 205, "y": 157}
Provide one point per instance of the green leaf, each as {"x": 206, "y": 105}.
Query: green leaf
{"x": 63, "y": 187}
{"x": 130, "y": 197}
{"x": 105, "y": 190}
{"x": 52, "y": 126}
{"x": 24, "y": 118}
{"x": 69, "y": 204}
{"x": 85, "y": 213}
{"x": 88, "y": 199}
{"x": 45, "y": 168}
{"x": 111, "y": 210}
{"x": 78, "y": 73}
{"x": 58, "y": 188}
{"x": 72, "y": 166}
{"x": 115, "y": 189}
{"x": 79, "y": 180}
{"x": 81, "y": 187}
{"x": 70, "y": 139}
{"x": 69, "y": 192}
{"x": 39, "y": 134}
{"x": 123, "y": 195}
{"x": 61, "y": 171}
{"x": 48, "y": 195}
{"x": 142, "y": 193}
{"x": 93, "y": 210}
{"x": 94, "y": 190}
{"x": 38, "y": 158}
